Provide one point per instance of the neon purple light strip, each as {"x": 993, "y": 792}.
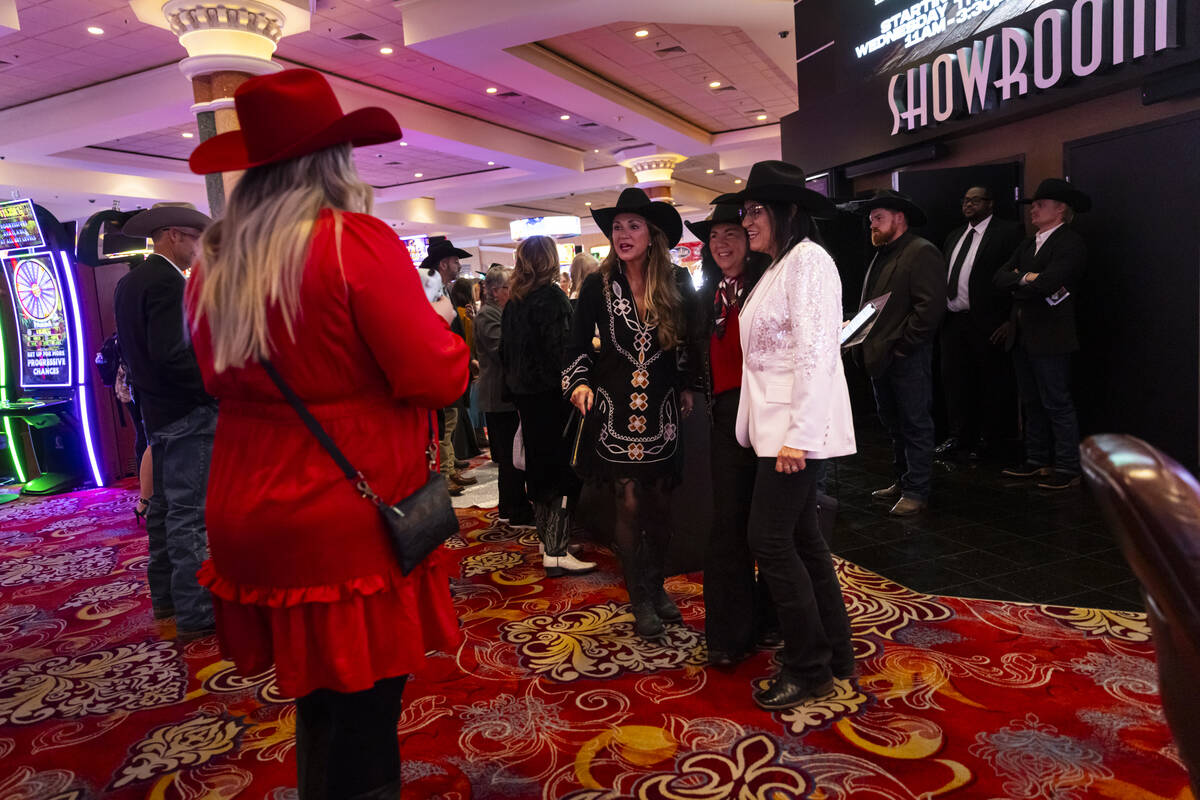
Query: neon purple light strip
{"x": 81, "y": 374}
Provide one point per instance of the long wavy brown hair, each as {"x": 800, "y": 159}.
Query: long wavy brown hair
{"x": 537, "y": 265}
{"x": 664, "y": 304}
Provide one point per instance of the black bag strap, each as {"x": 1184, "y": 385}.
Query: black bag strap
{"x": 352, "y": 474}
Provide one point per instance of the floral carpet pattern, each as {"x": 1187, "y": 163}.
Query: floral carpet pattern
{"x": 553, "y": 696}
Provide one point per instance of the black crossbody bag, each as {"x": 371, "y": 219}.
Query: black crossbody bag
{"x": 419, "y": 523}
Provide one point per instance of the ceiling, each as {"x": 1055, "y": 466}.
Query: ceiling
{"x": 89, "y": 119}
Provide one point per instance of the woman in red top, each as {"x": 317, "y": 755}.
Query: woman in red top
{"x": 737, "y": 608}
{"x": 301, "y": 571}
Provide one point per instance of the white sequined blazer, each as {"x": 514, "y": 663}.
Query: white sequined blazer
{"x": 793, "y": 385}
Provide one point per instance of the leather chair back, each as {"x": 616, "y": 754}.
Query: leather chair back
{"x": 1152, "y": 505}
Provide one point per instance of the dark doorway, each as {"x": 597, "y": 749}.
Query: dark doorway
{"x": 1139, "y": 309}
{"x": 939, "y": 193}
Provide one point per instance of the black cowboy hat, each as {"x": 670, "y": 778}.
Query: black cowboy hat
{"x": 1062, "y": 191}
{"x": 439, "y": 250}
{"x": 780, "y": 182}
{"x": 724, "y": 213}
{"x": 894, "y": 201}
{"x": 635, "y": 201}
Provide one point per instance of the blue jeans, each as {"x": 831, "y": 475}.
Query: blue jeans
{"x": 904, "y": 397}
{"x": 1048, "y": 414}
{"x": 182, "y": 451}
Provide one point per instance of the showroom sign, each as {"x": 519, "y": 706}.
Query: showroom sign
{"x": 1062, "y": 45}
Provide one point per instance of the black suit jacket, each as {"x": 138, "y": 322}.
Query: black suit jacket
{"x": 1043, "y": 329}
{"x": 150, "y": 327}
{"x": 990, "y": 305}
{"x": 913, "y": 270}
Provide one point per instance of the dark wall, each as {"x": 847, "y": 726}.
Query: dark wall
{"x": 1139, "y": 309}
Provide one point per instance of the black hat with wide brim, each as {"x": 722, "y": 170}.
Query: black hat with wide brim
{"x": 780, "y": 182}
{"x": 635, "y": 201}
{"x": 722, "y": 214}
{"x": 1062, "y": 191}
{"x": 440, "y": 250}
{"x": 894, "y": 201}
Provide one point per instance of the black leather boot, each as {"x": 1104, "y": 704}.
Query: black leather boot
{"x": 647, "y": 623}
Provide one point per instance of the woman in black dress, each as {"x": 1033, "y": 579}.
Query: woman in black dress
{"x": 534, "y": 327}
{"x": 635, "y": 387}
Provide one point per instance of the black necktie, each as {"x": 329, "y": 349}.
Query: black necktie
{"x": 956, "y": 270}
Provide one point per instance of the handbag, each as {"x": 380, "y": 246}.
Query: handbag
{"x": 418, "y": 524}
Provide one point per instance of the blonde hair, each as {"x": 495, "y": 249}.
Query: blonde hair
{"x": 664, "y": 304}
{"x": 254, "y": 256}
{"x": 582, "y": 265}
{"x": 537, "y": 265}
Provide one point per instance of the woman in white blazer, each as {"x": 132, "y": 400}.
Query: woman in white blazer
{"x": 794, "y": 413}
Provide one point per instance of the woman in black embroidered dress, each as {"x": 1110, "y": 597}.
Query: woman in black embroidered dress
{"x": 636, "y": 386}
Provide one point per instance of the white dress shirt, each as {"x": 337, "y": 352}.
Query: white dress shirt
{"x": 962, "y": 302}
{"x": 1040, "y": 237}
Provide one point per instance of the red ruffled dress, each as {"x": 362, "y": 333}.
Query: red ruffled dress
{"x": 300, "y": 569}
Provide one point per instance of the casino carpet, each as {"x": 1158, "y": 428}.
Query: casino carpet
{"x": 552, "y": 696}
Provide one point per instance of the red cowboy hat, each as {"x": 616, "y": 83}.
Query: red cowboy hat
{"x": 286, "y": 115}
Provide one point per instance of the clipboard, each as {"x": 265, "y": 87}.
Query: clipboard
{"x": 855, "y": 331}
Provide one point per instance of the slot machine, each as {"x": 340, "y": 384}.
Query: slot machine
{"x": 46, "y": 394}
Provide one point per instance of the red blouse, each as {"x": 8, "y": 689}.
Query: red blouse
{"x": 300, "y": 567}
{"x": 726, "y": 356}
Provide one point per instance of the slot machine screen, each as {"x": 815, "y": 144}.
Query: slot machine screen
{"x": 418, "y": 248}
{"x": 41, "y": 315}
{"x": 19, "y": 229}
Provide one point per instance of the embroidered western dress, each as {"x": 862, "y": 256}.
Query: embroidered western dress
{"x": 635, "y": 381}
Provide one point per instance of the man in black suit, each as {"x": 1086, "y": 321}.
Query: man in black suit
{"x": 975, "y": 371}
{"x": 1043, "y": 276}
{"x": 180, "y": 417}
{"x": 898, "y": 352}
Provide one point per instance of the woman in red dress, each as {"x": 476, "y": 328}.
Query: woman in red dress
{"x": 301, "y": 572}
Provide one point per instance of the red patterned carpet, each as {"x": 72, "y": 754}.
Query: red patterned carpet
{"x": 552, "y": 696}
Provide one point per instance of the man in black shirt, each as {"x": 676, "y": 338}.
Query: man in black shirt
{"x": 180, "y": 417}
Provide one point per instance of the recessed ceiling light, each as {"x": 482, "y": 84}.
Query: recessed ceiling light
{"x": 187, "y": 135}
{"x": 595, "y": 151}
{"x": 565, "y": 117}
{"x": 491, "y": 90}
{"x": 761, "y": 117}
{"x": 708, "y": 171}
{"x": 737, "y": 180}
{"x": 491, "y": 163}
{"x": 387, "y": 51}
{"x": 714, "y": 84}
{"x": 404, "y": 144}
{"x": 642, "y": 34}
{"x": 588, "y": 203}
{"x": 418, "y": 174}
{"x": 95, "y": 30}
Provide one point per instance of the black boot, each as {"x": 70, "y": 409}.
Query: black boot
{"x": 647, "y": 623}
{"x": 664, "y": 606}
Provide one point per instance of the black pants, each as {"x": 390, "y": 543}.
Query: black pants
{"x": 1048, "y": 413}
{"x": 548, "y": 473}
{"x": 977, "y": 378}
{"x": 736, "y": 606}
{"x": 502, "y": 428}
{"x": 346, "y": 743}
{"x": 794, "y": 558}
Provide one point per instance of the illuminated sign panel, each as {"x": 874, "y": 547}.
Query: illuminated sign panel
{"x": 18, "y": 226}
{"x": 40, "y": 310}
{"x": 558, "y": 227}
